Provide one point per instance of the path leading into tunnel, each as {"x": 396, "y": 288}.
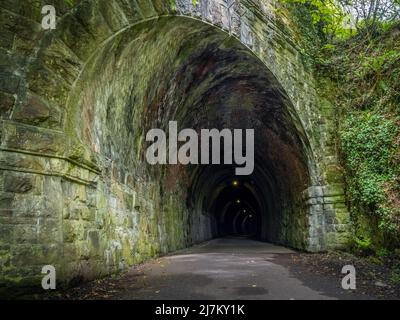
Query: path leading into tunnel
{"x": 228, "y": 268}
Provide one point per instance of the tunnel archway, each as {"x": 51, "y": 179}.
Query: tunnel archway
{"x": 187, "y": 71}
{"x": 86, "y": 94}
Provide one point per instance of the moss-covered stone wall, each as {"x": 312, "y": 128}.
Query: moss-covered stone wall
{"x": 77, "y": 102}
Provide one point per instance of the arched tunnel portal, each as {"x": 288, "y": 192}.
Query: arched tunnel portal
{"x": 184, "y": 70}
{"x": 103, "y": 206}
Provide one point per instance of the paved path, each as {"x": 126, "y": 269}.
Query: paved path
{"x": 228, "y": 268}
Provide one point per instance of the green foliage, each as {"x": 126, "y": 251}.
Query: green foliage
{"x": 370, "y": 15}
{"x": 327, "y": 15}
{"x": 383, "y": 253}
{"x": 362, "y": 56}
{"x": 368, "y": 99}
{"x": 368, "y": 73}
{"x": 70, "y": 3}
{"x": 344, "y": 19}
{"x": 368, "y": 140}
{"x": 381, "y": 62}
{"x": 395, "y": 275}
{"x": 362, "y": 244}
{"x": 370, "y": 146}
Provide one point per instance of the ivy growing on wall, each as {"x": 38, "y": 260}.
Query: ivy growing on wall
{"x": 370, "y": 146}
{"x": 356, "y": 44}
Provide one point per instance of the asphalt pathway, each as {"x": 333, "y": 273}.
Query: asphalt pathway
{"x": 229, "y": 268}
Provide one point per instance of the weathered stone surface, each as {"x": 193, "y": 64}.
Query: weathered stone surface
{"x": 6, "y": 200}
{"x": 71, "y": 29}
{"x": 17, "y": 183}
{"x": 35, "y": 139}
{"x": 85, "y": 200}
{"x": 7, "y": 39}
{"x": 9, "y": 83}
{"x": 62, "y": 61}
{"x": 7, "y": 102}
{"x": 33, "y": 111}
{"x": 25, "y": 31}
{"x": 46, "y": 83}
{"x": 35, "y": 254}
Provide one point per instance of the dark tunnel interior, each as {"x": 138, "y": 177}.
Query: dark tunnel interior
{"x": 236, "y": 210}
{"x": 234, "y": 203}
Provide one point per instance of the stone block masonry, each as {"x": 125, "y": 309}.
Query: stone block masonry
{"x": 76, "y": 102}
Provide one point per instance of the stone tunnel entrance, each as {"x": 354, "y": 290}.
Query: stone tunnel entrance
{"x": 96, "y": 206}
{"x": 187, "y": 71}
